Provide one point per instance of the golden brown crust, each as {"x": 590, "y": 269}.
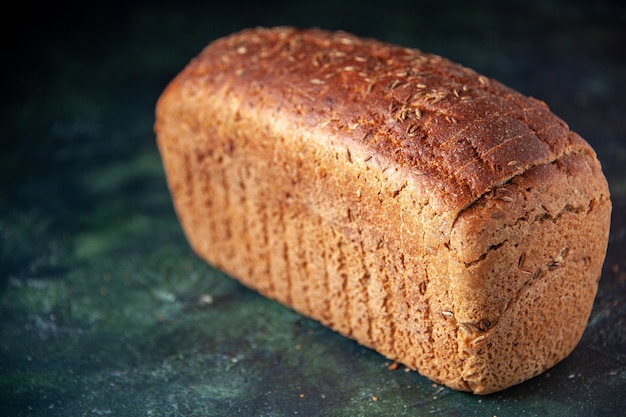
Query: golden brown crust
{"x": 428, "y": 212}
{"x": 418, "y": 110}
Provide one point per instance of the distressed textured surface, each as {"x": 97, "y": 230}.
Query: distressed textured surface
{"x": 104, "y": 310}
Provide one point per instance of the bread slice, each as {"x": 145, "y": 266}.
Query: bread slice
{"x": 424, "y": 210}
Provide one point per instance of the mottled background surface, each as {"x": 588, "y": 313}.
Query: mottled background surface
{"x": 104, "y": 310}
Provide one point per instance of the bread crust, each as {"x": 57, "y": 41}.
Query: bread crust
{"x": 426, "y": 211}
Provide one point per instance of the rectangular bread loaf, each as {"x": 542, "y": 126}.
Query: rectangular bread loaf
{"x": 430, "y": 213}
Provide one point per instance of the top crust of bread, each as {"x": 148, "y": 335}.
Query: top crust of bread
{"x": 416, "y": 109}
{"x": 427, "y": 211}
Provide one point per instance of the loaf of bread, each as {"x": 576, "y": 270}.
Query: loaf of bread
{"x": 428, "y": 212}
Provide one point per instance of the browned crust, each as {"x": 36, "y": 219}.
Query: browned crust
{"x": 527, "y": 277}
{"x": 416, "y": 109}
{"x": 409, "y": 203}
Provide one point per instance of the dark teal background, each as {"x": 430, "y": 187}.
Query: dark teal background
{"x": 104, "y": 310}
